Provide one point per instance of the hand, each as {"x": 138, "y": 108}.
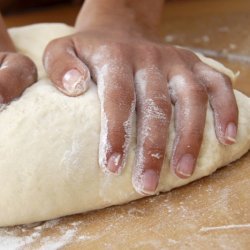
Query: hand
{"x": 129, "y": 70}
{"x": 135, "y": 71}
{"x": 17, "y": 72}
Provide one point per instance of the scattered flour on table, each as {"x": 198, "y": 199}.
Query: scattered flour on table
{"x": 68, "y": 231}
{"x": 51, "y": 243}
{"x": 10, "y": 241}
{"x": 22, "y": 237}
{"x": 35, "y": 236}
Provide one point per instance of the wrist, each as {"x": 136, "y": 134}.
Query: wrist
{"x": 140, "y": 16}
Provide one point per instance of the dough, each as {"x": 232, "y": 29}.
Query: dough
{"x": 49, "y": 147}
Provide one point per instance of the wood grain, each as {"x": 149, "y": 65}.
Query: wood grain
{"x": 212, "y": 213}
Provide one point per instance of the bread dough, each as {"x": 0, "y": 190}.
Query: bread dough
{"x": 49, "y": 147}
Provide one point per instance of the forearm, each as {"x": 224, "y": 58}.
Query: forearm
{"x": 5, "y": 40}
{"x": 143, "y": 16}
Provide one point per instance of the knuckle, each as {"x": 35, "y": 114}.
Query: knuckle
{"x": 51, "y": 45}
{"x": 29, "y": 72}
{"x": 187, "y": 87}
{"x": 188, "y": 56}
{"x": 55, "y": 42}
{"x": 200, "y": 93}
{"x": 153, "y": 110}
{"x": 173, "y": 51}
{"x": 164, "y": 103}
{"x": 212, "y": 78}
{"x": 26, "y": 74}
{"x": 152, "y": 52}
{"x": 54, "y": 47}
{"x": 120, "y": 95}
{"x": 27, "y": 62}
{"x": 116, "y": 49}
{"x": 153, "y": 149}
{"x": 48, "y": 58}
{"x": 191, "y": 138}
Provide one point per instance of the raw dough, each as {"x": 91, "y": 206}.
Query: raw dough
{"x": 49, "y": 147}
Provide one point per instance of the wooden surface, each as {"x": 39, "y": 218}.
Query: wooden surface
{"x": 212, "y": 213}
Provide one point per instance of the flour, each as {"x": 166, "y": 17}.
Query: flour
{"x": 71, "y": 156}
{"x": 9, "y": 241}
{"x": 23, "y": 236}
{"x": 42, "y": 180}
{"x": 128, "y": 128}
{"x": 225, "y": 227}
{"x": 176, "y": 84}
{"x": 104, "y": 145}
{"x": 53, "y": 243}
{"x": 148, "y": 113}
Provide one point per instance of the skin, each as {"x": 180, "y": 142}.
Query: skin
{"x": 117, "y": 44}
{"x": 17, "y": 72}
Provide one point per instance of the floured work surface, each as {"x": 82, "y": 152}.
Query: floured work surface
{"x": 49, "y": 146}
{"x": 228, "y": 229}
{"x": 57, "y": 173}
{"x": 211, "y": 213}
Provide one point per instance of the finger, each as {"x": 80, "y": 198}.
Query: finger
{"x": 153, "y": 116}
{"x": 65, "y": 69}
{"x": 222, "y": 101}
{"x": 14, "y": 79}
{"x": 116, "y": 93}
{"x": 190, "y": 100}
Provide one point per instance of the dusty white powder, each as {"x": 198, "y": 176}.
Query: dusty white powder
{"x": 23, "y": 236}
{"x": 53, "y": 243}
{"x": 149, "y": 110}
{"x": 9, "y": 241}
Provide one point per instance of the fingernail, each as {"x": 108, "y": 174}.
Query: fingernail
{"x": 231, "y": 132}
{"x": 150, "y": 181}
{"x": 74, "y": 82}
{"x": 114, "y": 163}
{"x": 186, "y": 165}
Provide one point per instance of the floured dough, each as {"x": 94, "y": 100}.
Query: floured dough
{"x": 49, "y": 147}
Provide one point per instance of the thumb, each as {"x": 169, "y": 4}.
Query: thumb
{"x": 65, "y": 69}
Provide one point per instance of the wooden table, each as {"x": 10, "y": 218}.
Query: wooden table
{"x": 212, "y": 213}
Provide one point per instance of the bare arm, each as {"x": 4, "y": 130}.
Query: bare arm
{"x": 143, "y": 16}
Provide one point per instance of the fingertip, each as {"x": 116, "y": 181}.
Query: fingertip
{"x": 115, "y": 163}
{"x": 226, "y": 127}
{"x": 75, "y": 83}
{"x": 230, "y": 134}
{"x": 185, "y": 166}
{"x": 146, "y": 183}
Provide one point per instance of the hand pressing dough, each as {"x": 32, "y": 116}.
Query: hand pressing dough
{"x": 49, "y": 146}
